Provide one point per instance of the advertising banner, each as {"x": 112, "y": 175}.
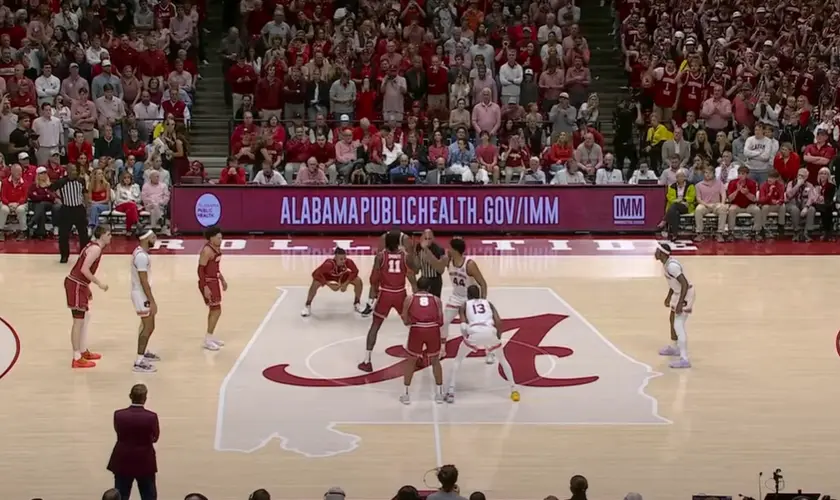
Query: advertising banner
{"x": 453, "y": 209}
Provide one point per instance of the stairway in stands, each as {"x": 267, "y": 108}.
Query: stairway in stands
{"x": 606, "y": 64}
{"x": 209, "y": 135}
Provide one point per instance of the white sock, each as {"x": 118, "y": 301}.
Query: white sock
{"x": 140, "y": 359}
{"x": 682, "y": 337}
{"x": 83, "y": 346}
{"x": 77, "y": 355}
{"x": 208, "y": 337}
{"x": 440, "y": 389}
{"x": 367, "y": 356}
{"x": 503, "y": 362}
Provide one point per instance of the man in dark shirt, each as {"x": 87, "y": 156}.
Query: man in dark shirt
{"x": 108, "y": 147}
{"x": 20, "y": 140}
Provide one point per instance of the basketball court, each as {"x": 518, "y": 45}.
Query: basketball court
{"x": 283, "y": 406}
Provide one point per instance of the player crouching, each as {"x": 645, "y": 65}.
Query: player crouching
{"x": 423, "y": 314}
{"x": 337, "y": 274}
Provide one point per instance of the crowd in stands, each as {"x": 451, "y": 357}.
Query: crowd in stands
{"x": 103, "y": 88}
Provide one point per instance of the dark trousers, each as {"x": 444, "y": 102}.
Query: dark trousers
{"x": 68, "y": 217}
{"x": 437, "y": 285}
{"x": 145, "y": 485}
{"x": 672, "y": 217}
{"x": 39, "y": 219}
{"x": 626, "y": 149}
{"x": 826, "y": 219}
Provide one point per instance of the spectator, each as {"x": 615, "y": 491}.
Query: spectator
{"x": 242, "y": 80}
{"x": 771, "y": 197}
{"x": 701, "y": 146}
{"x": 393, "y": 89}
{"x": 47, "y": 86}
{"x": 403, "y": 170}
{"x": 582, "y": 129}
{"x": 108, "y": 147}
{"x": 818, "y": 155}
{"x": 133, "y": 458}
{"x": 268, "y": 177}
{"x": 102, "y": 81}
{"x": 570, "y": 176}
{"x": 759, "y": 152}
{"x": 681, "y": 197}
{"x": 678, "y": 147}
{"x": 486, "y": 115}
{"x": 391, "y": 151}
{"x": 13, "y": 196}
{"x": 510, "y": 78}
{"x": 127, "y": 200}
{"x": 578, "y": 485}
{"x": 551, "y": 82}
{"x": 643, "y": 173}
{"x": 487, "y": 155}
{"x": 42, "y": 200}
{"x": 313, "y": 174}
{"x": 233, "y": 173}
{"x": 654, "y": 140}
{"x": 50, "y": 133}
{"x": 317, "y": 90}
{"x": 533, "y": 174}
{"x": 589, "y": 155}
{"x": 741, "y": 194}
{"x": 717, "y": 110}
{"x": 822, "y": 198}
{"x": 154, "y": 163}
{"x": 99, "y": 197}
{"x": 590, "y": 111}
{"x": 346, "y": 157}
{"x": 563, "y": 116}
{"x": 710, "y": 200}
{"x": 72, "y": 85}
{"x": 514, "y": 159}
{"x": 799, "y": 196}
{"x": 147, "y": 115}
{"x": 448, "y": 478}
{"x": 297, "y": 153}
{"x": 84, "y": 114}
{"x": 577, "y": 81}
{"x": 608, "y": 174}
{"x": 155, "y": 197}
{"x": 343, "y": 96}
{"x": 134, "y": 151}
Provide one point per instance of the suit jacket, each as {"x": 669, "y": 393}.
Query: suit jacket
{"x": 669, "y": 149}
{"x": 134, "y": 452}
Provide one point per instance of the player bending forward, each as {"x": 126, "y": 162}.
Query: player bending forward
{"x": 481, "y": 327}
{"x": 423, "y": 314}
{"x": 211, "y": 284}
{"x": 387, "y": 283}
{"x": 464, "y": 272}
{"x": 337, "y": 274}
{"x": 77, "y": 290}
{"x": 143, "y": 300}
{"x": 680, "y": 300}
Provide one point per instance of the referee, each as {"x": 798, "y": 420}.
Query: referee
{"x": 71, "y": 190}
{"x": 427, "y": 270}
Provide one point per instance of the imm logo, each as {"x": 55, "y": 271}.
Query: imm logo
{"x": 629, "y": 209}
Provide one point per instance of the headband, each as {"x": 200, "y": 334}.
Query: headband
{"x": 148, "y": 234}
{"x": 662, "y": 248}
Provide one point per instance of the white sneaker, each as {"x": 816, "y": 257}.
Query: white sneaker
{"x": 218, "y": 342}
{"x": 150, "y": 356}
{"x": 490, "y": 358}
{"x": 439, "y": 397}
{"x": 210, "y": 345}
{"x": 144, "y": 367}
{"x": 405, "y": 399}
{"x": 306, "y": 312}
{"x": 450, "y": 397}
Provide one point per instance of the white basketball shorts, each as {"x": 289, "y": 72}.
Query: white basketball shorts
{"x": 141, "y": 303}
{"x": 482, "y": 337}
{"x": 689, "y": 301}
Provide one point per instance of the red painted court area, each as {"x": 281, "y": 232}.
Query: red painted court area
{"x": 477, "y": 245}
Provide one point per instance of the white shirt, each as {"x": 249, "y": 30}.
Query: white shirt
{"x": 49, "y": 131}
{"x": 275, "y": 180}
{"x": 389, "y": 156}
{"x": 140, "y": 262}
{"x": 511, "y": 79}
{"x": 479, "y": 312}
{"x": 94, "y": 56}
{"x": 673, "y": 270}
{"x": 47, "y": 88}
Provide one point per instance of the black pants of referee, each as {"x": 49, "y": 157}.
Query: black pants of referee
{"x": 67, "y": 218}
{"x": 437, "y": 285}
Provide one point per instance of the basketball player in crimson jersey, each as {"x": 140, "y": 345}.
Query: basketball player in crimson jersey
{"x": 77, "y": 290}
{"x": 423, "y": 315}
{"x": 410, "y": 255}
{"x": 337, "y": 273}
{"x": 387, "y": 281}
{"x": 211, "y": 283}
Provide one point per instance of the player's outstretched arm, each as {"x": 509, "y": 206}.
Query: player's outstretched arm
{"x": 475, "y": 273}
{"x": 374, "y": 277}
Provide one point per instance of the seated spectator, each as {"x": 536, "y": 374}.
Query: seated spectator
{"x": 644, "y": 173}
{"x": 487, "y": 155}
{"x": 127, "y": 200}
{"x": 608, "y": 174}
{"x": 711, "y": 199}
{"x": 108, "y": 147}
{"x": 720, "y": 146}
{"x": 297, "y": 153}
{"x": 591, "y": 114}
{"x": 822, "y": 197}
{"x": 681, "y": 198}
{"x": 515, "y": 159}
{"x": 41, "y": 200}
{"x": 571, "y": 175}
{"x": 155, "y": 197}
{"x": 701, "y": 146}
{"x": 533, "y": 174}
{"x": 155, "y": 165}
{"x": 194, "y": 171}
{"x": 416, "y": 152}
{"x": 13, "y": 195}
{"x": 558, "y": 154}
{"x": 654, "y": 140}
{"x": 771, "y": 197}
{"x": 346, "y": 157}
{"x": 676, "y": 146}
{"x": 580, "y": 134}
{"x": 476, "y": 174}
{"x": 267, "y": 176}
{"x": 787, "y": 163}
{"x": 435, "y": 175}
{"x": 54, "y": 168}
{"x": 134, "y": 147}
{"x": 99, "y": 197}
{"x": 439, "y": 149}
{"x": 233, "y": 173}
{"x": 403, "y": 170}
{"x": 460, "y": 116}
{"x": 799, "y": 196}
{"x": 742, "y": 196}
{"x": 312, "y": 174}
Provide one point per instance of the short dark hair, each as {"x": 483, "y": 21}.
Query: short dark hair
{"x": 424, "y": 284}
{"x": 195, "y": 496}
{"x": 138, "y": 394}
{"x": 211, "y": 232}
{"x": 477, "y": 495}
{"x": 112, "y": 494}
{"x": 107, "y": 87}
{"x": 473, "y": 292}
{"x": 448, "y": 477}
{"x": 260, "y": 494}
{"x": 339, "y": 251}
{"x": 458, "y": 244}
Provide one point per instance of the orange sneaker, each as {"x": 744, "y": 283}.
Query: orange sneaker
{"x": 91, "y": 355}
{"x": 83, "y": 363}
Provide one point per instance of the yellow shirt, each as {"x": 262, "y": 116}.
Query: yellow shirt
{"x": 658, "y": 135}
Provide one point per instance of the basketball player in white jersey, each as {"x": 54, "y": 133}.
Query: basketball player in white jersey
{"x": 481, "y": 328}
{"x": 144, "y": 300}
{"x": 680, "y": 300}
{"x": 464, "y": 272}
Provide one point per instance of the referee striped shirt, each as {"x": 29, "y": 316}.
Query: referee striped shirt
{"x": 71, "y": 191}
{"x": 426, "y": 269}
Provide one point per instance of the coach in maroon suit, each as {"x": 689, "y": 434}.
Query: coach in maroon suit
{"x": 133, "y": 458}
